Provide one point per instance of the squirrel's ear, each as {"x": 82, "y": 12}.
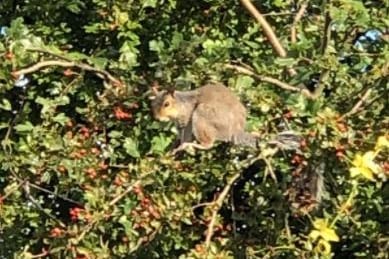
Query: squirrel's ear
{"x": 154, "y": 90}
{"x": 171, "y": 91}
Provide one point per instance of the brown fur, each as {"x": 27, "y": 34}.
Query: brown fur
{"x": 210, "y": 113}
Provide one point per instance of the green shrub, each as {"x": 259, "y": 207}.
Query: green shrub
{"x": 85, "y": 170}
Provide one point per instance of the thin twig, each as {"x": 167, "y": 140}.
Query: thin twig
{"x": 277, "y": 14}
{"x": 51, "y": 53}
{"x": 327, "y": 32}
{"x": 53, "y": 193}
{"x": 120, "y": 196}
{"x": 111, "y": 203}
{"x": 268, "y": 31}
{"x": 358, "y": 105}
{"x": 270, "y": 80}
{"x": 43, "y": 254}
{"x": 216, "y": 206}
{"x": 26, "y": 188}
{"x": 201, "y": 205}
{"x": 296, "y": 20}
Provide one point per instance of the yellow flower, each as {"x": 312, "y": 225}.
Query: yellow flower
{"x": 365, "y": 166}
{"x": 382, "y": 142}
{"x": 323, "y": 247}
{"x": 322, "y": 230}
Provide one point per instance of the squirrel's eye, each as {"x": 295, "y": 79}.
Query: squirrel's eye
{"x": 166, "y": 104}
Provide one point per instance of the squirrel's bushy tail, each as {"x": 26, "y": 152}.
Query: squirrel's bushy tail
{"x": 245, "y": 139}
{"x": 284, "y": 140}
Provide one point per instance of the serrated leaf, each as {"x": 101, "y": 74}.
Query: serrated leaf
{"x": 160, "y": 143}
{"x": 61, "y": 119}
{"x": 131, "y": 147}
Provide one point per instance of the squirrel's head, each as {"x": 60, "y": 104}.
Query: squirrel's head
{"x": 164, "y": 105}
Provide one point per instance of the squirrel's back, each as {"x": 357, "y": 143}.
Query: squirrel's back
{"x": 220, "y": 110}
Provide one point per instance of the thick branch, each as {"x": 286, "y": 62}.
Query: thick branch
{"x": 297, "y": 18}
{"x": 268, "y": 31}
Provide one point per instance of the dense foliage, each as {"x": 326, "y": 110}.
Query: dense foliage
{"x": 85, "y": 170}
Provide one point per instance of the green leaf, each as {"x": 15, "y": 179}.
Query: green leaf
{"x": 127, "y": 225}
{"x": 131, "y": 147}
{"x": 5, "y": 105}
{"x": 61, "y": 119}
{"x": 25, "y": 127}
{"x": 160, "y": 143}
{"x": 150, "y": 3}
{"x": 285, "y": 62}
{"x": 244, "y": 82}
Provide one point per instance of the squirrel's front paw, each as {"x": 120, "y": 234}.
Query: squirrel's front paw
{"x": 178, "y": 149}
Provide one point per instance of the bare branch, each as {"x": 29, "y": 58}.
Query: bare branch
{"x": 43, "y": 64}
{"x": 358, "y": 105}
{"x": 202, "y": 205}
{"x": 268, "y": 31}
{"x": 327, "y": 33}
{"x": 61, "y": 63}
{"x": 216, "y": 205}
{"x": 121, "y": 196}
{"x": 271, "y": 80}
{"x": 277, "y": 14}
{"x": 296, "y": 20}
{"x": 111, "y": 203}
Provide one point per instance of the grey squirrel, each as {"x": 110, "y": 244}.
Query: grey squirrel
{"x": 210, "y": 113}
{"x": 214, "y": 113}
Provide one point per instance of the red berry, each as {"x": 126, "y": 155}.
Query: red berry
{"x": 68, "y": 72}
{"x": 55, "y": 232}
{"x": 9, "y": 55}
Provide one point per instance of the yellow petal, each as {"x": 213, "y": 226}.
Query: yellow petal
{"x": 329, "y": 234}
{"x": 365, "y": 172}
{"x": 323, "y": 247}
{"x": 319, "y": 224}
{"x": 382, "y": 142}
{"x": 358, "y": 160}
{"x": 368, "y": 162}
{"x": 314, "y": 234}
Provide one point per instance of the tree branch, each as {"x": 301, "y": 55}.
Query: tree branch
{"x": 268, "y": 31}
{"x": 358, "y": 105}
{"x": 271, "y": 80}
{"x": 216, "y": 206}
{"x": 47, "y": 63}
{"x": 110, "y": 204}
{"x": 296, "y": 20}
{"x": 327, "y": 33}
